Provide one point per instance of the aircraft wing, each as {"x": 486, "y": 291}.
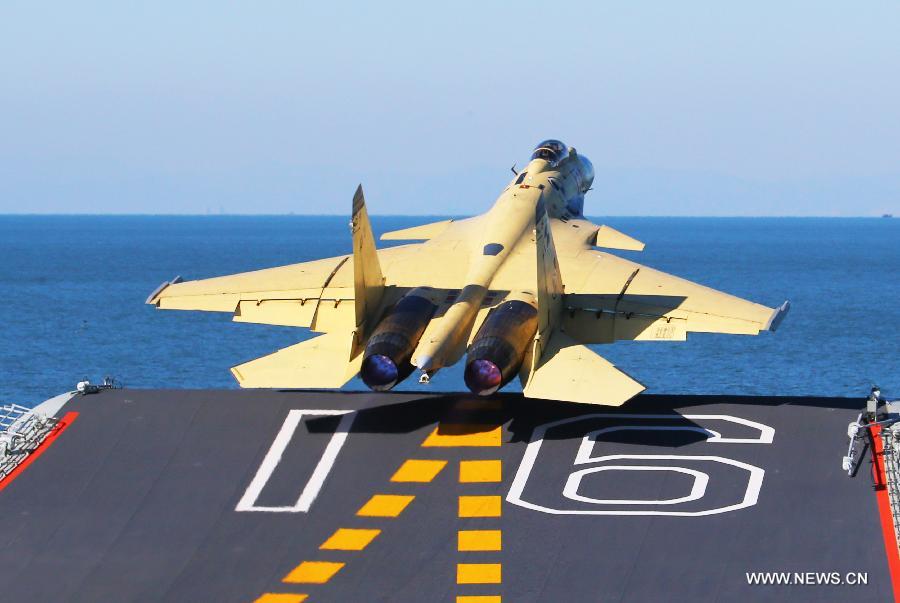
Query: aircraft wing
{"x": 272, "y": 296}
{"x": 340, "y": 296}
{"x": 294, "y": 295}
{"x": 610, "y": 298}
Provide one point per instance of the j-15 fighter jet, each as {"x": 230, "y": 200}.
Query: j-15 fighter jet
{"x": 517, "y": 291}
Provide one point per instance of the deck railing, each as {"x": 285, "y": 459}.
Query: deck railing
{"x": 21, "y": 431}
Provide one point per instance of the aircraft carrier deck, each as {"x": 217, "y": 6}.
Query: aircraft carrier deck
{"x": 281, "y": 497}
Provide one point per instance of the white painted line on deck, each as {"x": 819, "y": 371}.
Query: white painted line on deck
{"x": 748, "y": 498}
{"x": 276, "y": 451}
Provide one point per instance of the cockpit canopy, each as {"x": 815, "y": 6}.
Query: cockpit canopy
{"x": 552, "y": 151}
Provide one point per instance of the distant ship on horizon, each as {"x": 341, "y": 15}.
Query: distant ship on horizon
{"x": 887, "y": 215}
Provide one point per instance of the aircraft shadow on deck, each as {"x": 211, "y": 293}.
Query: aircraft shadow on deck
{"x": 459, "y": 413}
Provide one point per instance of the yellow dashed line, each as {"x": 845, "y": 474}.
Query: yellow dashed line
{"x": 347, "y": 539}
{"x": 385, "y": 505}
{"x": 485, "y": 471}
{"x": 281, "y": 598}
{"x": 464, "y": 434}
{"x": 392, "y": 505}
{"x": 313, "y": 572}
{"x": 480, "y": 471}
{"x": 418, "y": 471}
{"x": 480, "y": 506}
{"x": 479, "y": 540}
{"x": 478, "y": 573}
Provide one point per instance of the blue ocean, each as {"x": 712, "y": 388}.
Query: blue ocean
{"x": 74, "y": 290}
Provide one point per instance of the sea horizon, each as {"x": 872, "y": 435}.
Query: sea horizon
{"x": 76, "y": 287}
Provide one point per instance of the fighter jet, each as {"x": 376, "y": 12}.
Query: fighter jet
{"x": 519, "y": 291}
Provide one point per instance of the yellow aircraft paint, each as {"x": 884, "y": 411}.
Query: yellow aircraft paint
{"x": 532, "y": 245}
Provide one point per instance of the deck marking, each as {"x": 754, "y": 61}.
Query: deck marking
{"x": 385, "y": 505}
{"x": 749, "y": 499}
{"x": 480, "y": 506}
{"x": 418, "y": 471}
{"x": 313, "y": 572}
{"x": 766, "y": 433}
{"x": 479, "y": 573}
{"x": 276, "y": 451}
{"x": 698, "y": 488}
{"x": 480, "y": 471}
{"x": 379, "y": 505}
{"x": 886, "y": 516}
{"x": 57, "y": 430}
{"x": 447, "y": 435}
{"x": 349, "y": 539}
{"x": 586, "y": 448}
{"x": 281, "y": 598}
{"x": 479, "y": 540}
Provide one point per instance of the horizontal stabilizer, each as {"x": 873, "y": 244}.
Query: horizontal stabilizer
{"x": 417, "y": 233}
{"x": 322, "y": 362}
{"x": 572, "y": 373}
{"x": 610, "y": 238}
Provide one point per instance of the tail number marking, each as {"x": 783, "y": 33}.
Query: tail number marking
{"x": 606, "y": 479}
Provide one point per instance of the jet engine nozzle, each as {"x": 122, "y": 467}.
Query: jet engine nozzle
{"x": 386, "y": 358}
{"x": 499, "y": 347}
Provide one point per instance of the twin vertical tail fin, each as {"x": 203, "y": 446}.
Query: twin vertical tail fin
{"x": 550, "y": 288}
{"x": 550, "y": 291}
{"x": 332, "y": 359}
{"x": 368, "y": 281}
{"x": 559, "y": 368}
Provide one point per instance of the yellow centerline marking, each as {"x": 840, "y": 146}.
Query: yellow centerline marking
{"x": 281, "y": 598}
{"x": 313, "y": 572}
{"x": 478, "y": 573}
{"x": 480, "y": 471}
{"x": 479, "y": 540}
{"x": 418, "y": 471}
{"x": 385, "y": 505}
{"x": 464, "y": 434}
{"x": 480, "y": 506}
{"x": 349, "y": 539}
{"x": 392, "y": 505}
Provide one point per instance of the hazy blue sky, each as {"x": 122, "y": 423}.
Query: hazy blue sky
{"x": 781, "y": 108}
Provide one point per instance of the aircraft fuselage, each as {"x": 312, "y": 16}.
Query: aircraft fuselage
{"x": 560, "y": 177}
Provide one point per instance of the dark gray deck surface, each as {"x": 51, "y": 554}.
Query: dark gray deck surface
{"x": 135, "y": 501}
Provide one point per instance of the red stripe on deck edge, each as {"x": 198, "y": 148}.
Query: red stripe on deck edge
{"x": 887, "y": 522}
{"x": 51, "y": 437}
